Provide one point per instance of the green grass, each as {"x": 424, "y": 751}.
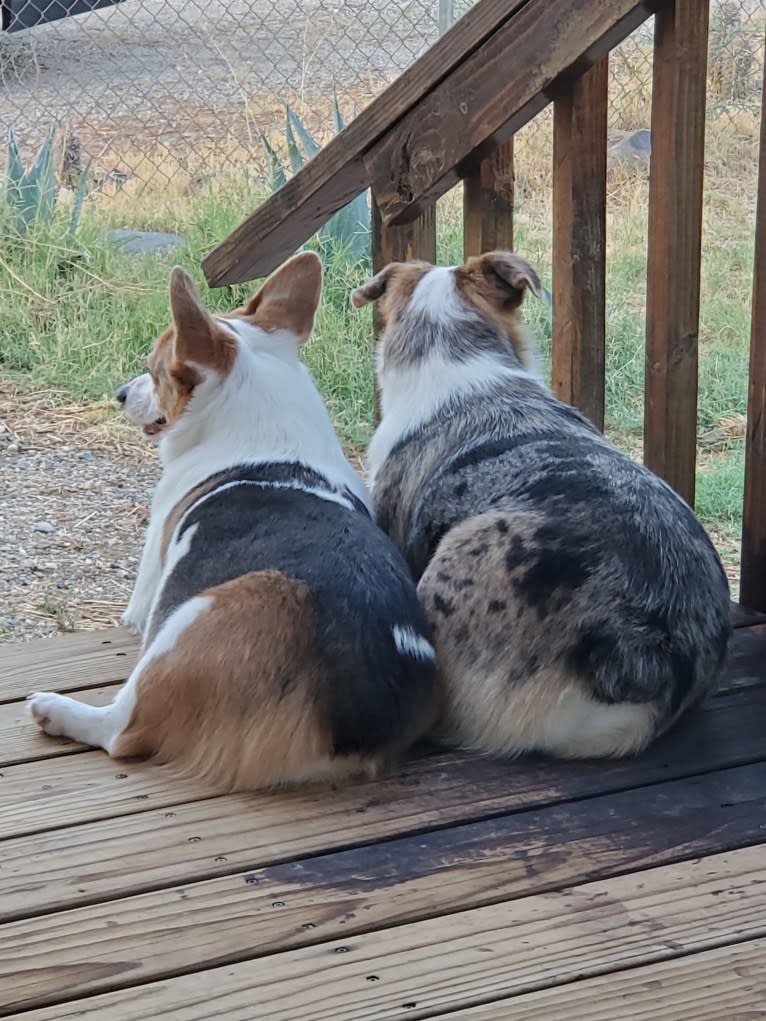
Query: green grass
{"x": 80, "y": 316}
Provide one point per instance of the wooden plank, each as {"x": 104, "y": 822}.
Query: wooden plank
{"x": 105, "y": 946}
{"x": 579, "y": 242}
{"x": 290, "y": 216}
{"x": 675, "y": 230}
{"x": 22, "y": 742}
{"x": 506, "y": 949}
{"x": 215, "y": 837}
{"x": 54, "y": 793}
{"x": 743, "y": 616}
{"x": 86, "y": 659}
{"x": 488, "y": 204}
{"x": 747, "y": 657}
{"x": 488, "y": 98}
{"x": 726, "y": 983}
{"x": 753, "y": 582}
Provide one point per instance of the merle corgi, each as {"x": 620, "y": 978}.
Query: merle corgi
{"x": 283, "y": 640}
{"x": 578, "y": 605}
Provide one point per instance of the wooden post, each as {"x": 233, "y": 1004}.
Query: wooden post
{"x": 413, "y": 240}
{"x": 488, "y": 203}
{"x": 579, "y": 242}
{"x": 753, "y": 583}
{"x": 675, "y": 227}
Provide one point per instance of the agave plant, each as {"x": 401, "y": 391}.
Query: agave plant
{"x": 31, "y": 195}
{"x": 348, "y": 231}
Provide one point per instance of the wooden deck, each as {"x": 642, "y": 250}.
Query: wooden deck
{"x": 460, "y": 887}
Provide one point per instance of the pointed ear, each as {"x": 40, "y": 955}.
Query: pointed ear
{"x": 198, "y": 339}
{"x": 289, "y": 298}
{"x": 511, "y": 274}
{"x": 374, "y": 288}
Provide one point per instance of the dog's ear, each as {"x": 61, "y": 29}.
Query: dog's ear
{"x": 199, "y": 340}
{"x": 511, "y": 275}
{"x": 374, "y": 288}
{"x": 289, "y": 298}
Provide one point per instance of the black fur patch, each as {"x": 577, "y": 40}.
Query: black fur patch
{"x": 445, "y": 608}
{"x": 359, "y": 583}
{"x": 516, "y": 555}
{"x": 496, "y": 606}
{"x": 556, "y": 572}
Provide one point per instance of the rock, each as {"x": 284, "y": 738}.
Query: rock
{"x": 45, "y": 527}
{"x": 141, "y": 241}
{"x": 632, "y": 150}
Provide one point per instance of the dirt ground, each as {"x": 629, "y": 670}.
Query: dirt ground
{"x": 76, "y": 484}
{"x": 202, "y": 76}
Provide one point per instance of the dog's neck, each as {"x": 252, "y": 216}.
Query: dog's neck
{"x": 267, "y": 409}
{"x": 412, "y": 394}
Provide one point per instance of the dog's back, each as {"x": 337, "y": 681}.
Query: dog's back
{"x": 318, "y": 611}
{"x": 578, "y": 604}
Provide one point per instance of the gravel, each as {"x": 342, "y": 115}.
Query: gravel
{"x": 76, "y": 484}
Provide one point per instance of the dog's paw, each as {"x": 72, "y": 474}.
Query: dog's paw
{"x": 131, "y": 623}
{"x": 49, "y": 712}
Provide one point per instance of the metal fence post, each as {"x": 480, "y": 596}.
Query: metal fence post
{"x": 446, "y": 15}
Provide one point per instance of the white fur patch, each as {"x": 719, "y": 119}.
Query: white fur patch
{"x": 101, "y": 726}
{"x": 412, "y": 394}
{"x": 266, "y": 409}
{"x": 177, "y": 550}
{"x": 141, "y": 403}
{"x": 410, "y": 643}
{"x": 435, "y": 295}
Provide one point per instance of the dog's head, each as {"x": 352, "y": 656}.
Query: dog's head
{"x": 197, "y": 353}
{"x": 454, "y": 312}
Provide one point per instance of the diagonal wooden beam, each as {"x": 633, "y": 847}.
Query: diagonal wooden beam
{"x": 337, "y": 174}
{"x": 489, "y": 97}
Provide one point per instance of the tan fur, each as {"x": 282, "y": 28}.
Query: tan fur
{"x": 494, "y": 284}
{"x": 238, "y": 700}
{"x": 392, "y": 289}
{"x": 194, "y": 340}
{"x": 288, "y": 299}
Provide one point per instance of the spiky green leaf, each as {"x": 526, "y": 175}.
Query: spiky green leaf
{"x": 310, "y": 146}
{"x": 337, "y": 115}
{"x": 276, "y": 170}
{"x": 15, "y": 168}
{"x": 296, "y": 156}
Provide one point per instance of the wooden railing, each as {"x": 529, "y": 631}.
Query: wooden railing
{"x": 452, "y": 117}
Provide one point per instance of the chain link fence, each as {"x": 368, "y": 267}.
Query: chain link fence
{"x": 150, "y": 89}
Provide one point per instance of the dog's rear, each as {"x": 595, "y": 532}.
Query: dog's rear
{"x": 578, "y": 605}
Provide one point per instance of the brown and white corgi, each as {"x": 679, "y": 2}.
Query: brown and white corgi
{"x": 578, "y": 605}
{"x": 282, "y": 635}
